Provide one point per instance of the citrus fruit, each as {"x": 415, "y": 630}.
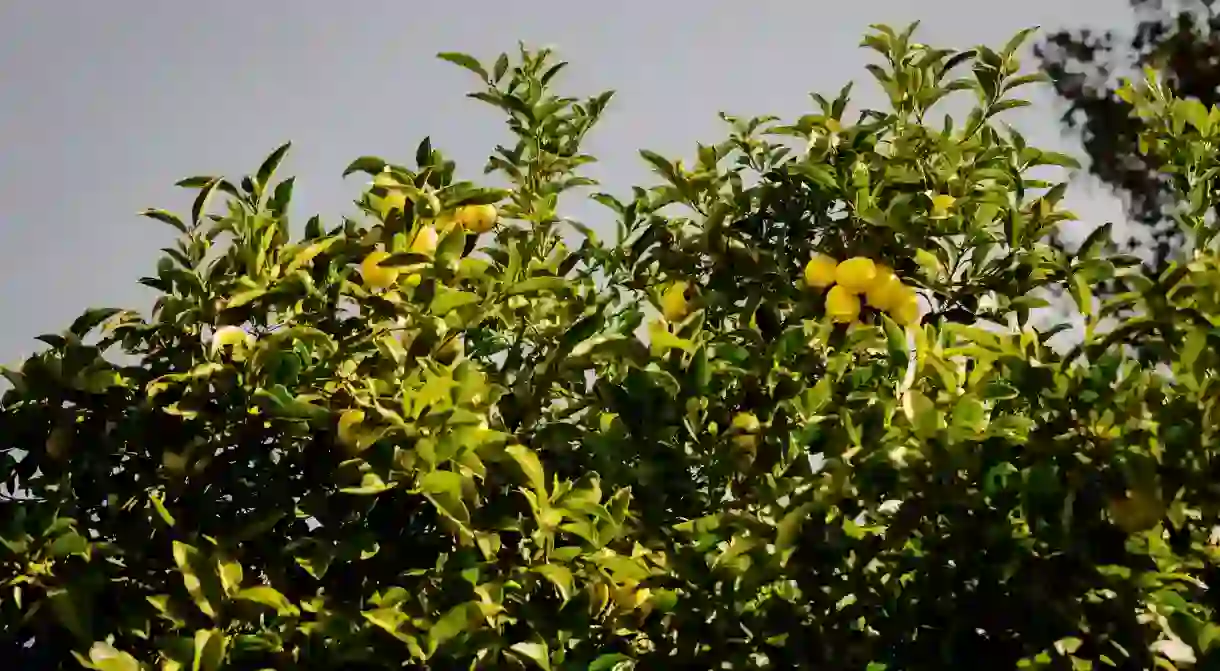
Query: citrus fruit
{"x": 885, "y": 291}
{"x": 820, "y": 271}
{"x": 905, "y": 306}
{"x": 347, "y": 425}
{"x": 674, "y": 305}
{"x": 746, "y": 421}
{"x": 425, "y": 241}
{"x": 842, "y": 305}
{"x": 1140, "y": 511}
{"x": 477, "y": 218}
{"x": 856, "y": 274}
{"x": 376, "y": 277}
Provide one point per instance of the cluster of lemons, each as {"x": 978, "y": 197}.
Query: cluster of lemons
{"x": 476, "y": 219}
{"x": 860, "y": 276}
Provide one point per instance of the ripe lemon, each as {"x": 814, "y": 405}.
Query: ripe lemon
{"x": 905, "y": 307}
{"x": 842, "y": 305}
{"x": 425, "y": 241}
{"x": 347, "y": 425}
{"x": 856, "y": 274}
{"x": 885, "y": 291}
{"x": 746, "y": 422}
{"x": 674, "y": 305}
{"x": 376, "y": 277}
{"x": 477, "y": 219}
{"x": 820, "y": 271}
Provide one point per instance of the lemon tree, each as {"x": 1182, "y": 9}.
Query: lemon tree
{"x": 792, "y": 412}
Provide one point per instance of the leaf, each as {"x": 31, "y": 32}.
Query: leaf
{"x": 244, "y": 297}
{"x": 71, "y": 611}
{"x": 370, "y": 165}
{"x": 209, "y": 650}
{"x": 533, "y": 284}
{"x": 530, "y": 466}
{"x": 447, "y": 300}
{"x": 560, "y": 576}
{"x": 199, "y": 207}
{"x": 203, "y": 589}
{"x": 267, "y": 170}
{"x": 166, "y": 218}
{"x": 465, "y": 60}
{"x": 90, "y": 320}
{"x": 612, "y": 662}
{"x": 105, "y": 657}
{"x": 452, "y": 623}
{"x": 535, "y": 652}
{"x": 267, "y": 596}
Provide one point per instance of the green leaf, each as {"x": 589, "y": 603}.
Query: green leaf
{"x": 370, "y": 165}
{"x": 267, "y": 170}
{"x": 560, "y": 576}
{"x": 209, "y": 650}
{"x": 452, "y": 623}
{"x": 535, "y": 284}
{"x": 613, "y": 661}
{"x": 447, "y": 299}
{"x": 530, "y": 466}
{"x": 465, "y": 60}
{"x": 269, "y": 597}
{"x": 535, "y": 652}
{"x": 198, "y": 577}
{"x": 105, "y": 657}
{"x": 166, "y": 218}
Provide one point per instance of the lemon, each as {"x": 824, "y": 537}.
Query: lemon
{"x": 347, "y": 425}
{"x": 856, "y": 274}
{"x": 394, "y": 200}
{"x": 905, "y": 307}
{"x": 674, "y": 305}
{"x": 477, "y": 218}
{"x": 1140, "y": 511}
{"x": 414, "y": 280}
{"x": 820, "y": 271}
{"x": 885, "y": 291}
{"x": 376, "y": 277}
{"x": 425, "y": 241}
{"x": 842, "y": 305}
{"x": 746, "y": 421}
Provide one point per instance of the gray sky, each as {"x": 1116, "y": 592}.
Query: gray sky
{"x": 106, "y": 104}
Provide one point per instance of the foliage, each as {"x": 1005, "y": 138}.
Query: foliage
{"x": 424, "y": 439}
{"x": 1180, "y": 41}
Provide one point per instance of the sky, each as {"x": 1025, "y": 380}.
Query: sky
{"x": 103, "y": 106}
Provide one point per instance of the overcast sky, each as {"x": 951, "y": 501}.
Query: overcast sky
{"x": 103, "y": 105}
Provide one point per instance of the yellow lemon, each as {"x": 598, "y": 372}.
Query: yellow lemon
{"x": 414, "y": 280}
{"x": 856, "y": 274}
{"x": 425, "y": 241}
{"x": 477, "y": 219}
{"x": 347, "y": 425}
{"x": 820, "y": 271}
{"x": 842, "y": 305}
{"x": 376, "y": 277}
{"x": 393, "y": 200}
{"x": 746, "y": 421}
{"x": 905, "y": 306}
{"x": 674, "y": 305}
{"x": 885, "y": 291}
